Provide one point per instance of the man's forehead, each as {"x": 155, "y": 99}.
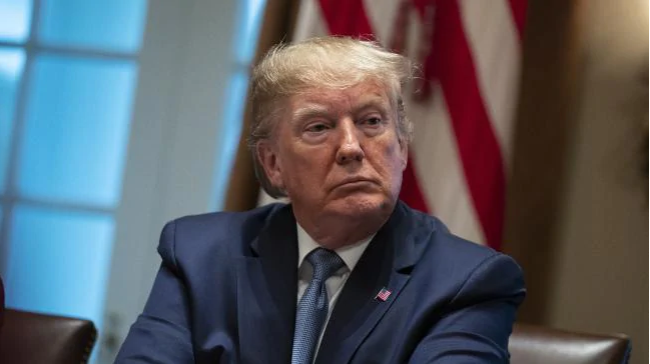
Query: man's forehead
{"x": 321, "y": 97}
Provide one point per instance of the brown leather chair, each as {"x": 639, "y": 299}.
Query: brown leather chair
{"x": 37, "y": 338}
{"x": 531, "y": 344}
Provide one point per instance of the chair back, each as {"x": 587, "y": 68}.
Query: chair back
{"x": 37, "y": 338}
{"x": 531, "y": 344}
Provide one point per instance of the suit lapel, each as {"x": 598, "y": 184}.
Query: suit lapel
{"x": 386, "y": 263}
{"x": 266, "y": 292}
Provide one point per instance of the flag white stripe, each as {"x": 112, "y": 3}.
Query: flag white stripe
{"x": 439, "y": 169}
{"x": 310, "y": 22}
{"x": 381, "y": 15}
{"x": 493, "y": 40}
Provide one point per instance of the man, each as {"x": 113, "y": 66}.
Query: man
{"x": 345, "y": 273}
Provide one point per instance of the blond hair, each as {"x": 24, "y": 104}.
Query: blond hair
{"x": 326, "y": 62}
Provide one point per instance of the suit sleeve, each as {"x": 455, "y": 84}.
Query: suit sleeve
{"x": 478, "y": 323}
{"x": 161, "y": 333}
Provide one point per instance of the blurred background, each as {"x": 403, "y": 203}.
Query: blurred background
{"x": 118, "y": 116}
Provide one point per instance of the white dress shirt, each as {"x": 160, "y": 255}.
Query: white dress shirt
{"x": 349, "y": 254}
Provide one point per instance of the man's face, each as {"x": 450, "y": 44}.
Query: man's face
{"x": 337, "y": 152}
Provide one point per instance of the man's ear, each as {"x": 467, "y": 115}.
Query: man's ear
{"x": 404, "y": 153}
{"x": 268, "y": 157}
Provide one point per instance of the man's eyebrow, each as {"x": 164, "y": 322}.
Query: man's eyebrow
{"x": 309, "y": 111}
{"x": 316, "y": 110}
{"x": 373, "y": 103}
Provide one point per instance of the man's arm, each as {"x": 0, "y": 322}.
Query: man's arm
{"x": 161, "y": 333}
{"x": 477, "y": 326}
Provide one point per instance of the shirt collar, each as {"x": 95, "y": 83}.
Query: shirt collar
{"x": 350, "y": 254}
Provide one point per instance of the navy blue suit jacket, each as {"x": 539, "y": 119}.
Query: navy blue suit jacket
{"x": 226, "y": 293}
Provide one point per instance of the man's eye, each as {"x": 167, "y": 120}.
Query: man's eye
{"x": 373, "y": 121}
{"x": 317, "y": 128}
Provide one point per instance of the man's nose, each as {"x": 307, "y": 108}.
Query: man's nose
{"x": 350, "y": 148}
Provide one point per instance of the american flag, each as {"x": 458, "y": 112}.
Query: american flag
{"x": 383, "y": 295}
{"x": 470, "y": 52}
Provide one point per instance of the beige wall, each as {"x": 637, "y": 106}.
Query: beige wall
{"x": 600, "y": 269}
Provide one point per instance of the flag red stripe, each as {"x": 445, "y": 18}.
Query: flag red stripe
{"x": 346, "y": 18}
{"x": 411, "y": 192}
{"x": 477, "y": 144}
{"x": 518, "y": 9}
{"x": 350, "y": 18}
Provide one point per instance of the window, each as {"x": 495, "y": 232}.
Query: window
{"x": 251, "y": 12}
{"x": 78, "y": 95}
{"x": 68, "y": 71}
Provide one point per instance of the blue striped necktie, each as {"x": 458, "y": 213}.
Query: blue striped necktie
{"x": 312, "y": 308}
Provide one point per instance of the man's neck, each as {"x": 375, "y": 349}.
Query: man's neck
{"x": 334, "y": 233}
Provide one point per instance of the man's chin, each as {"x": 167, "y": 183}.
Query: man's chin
{"x": 357, "y": 205}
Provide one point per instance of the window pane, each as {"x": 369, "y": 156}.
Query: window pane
{"x": 15, "y": 16}
{"x": 113, "y": 25}
{"x": 229, "y": 135}
{"x": 76, "y": 130}
{"x": 58, "y": 262}
{"x": 11, "y": 68}
{"x": 251, "y": 14}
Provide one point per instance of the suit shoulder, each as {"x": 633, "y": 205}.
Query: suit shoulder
{"x": 475, "y": 256}
{"x": 216, "y": 229}
{"x": 461, "y": 246}
{"x": 485, "y": 273}
{"x": 465, "y": 266}
{"x": 457, "y": 253}
{"x": 434, "y": 239}
{"x": 218, "y": 220}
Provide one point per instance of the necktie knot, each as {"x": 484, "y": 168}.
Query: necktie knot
{"x": 325, "y": 263}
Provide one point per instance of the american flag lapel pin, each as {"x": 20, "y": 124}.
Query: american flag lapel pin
{"x": 383, "y": 295}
